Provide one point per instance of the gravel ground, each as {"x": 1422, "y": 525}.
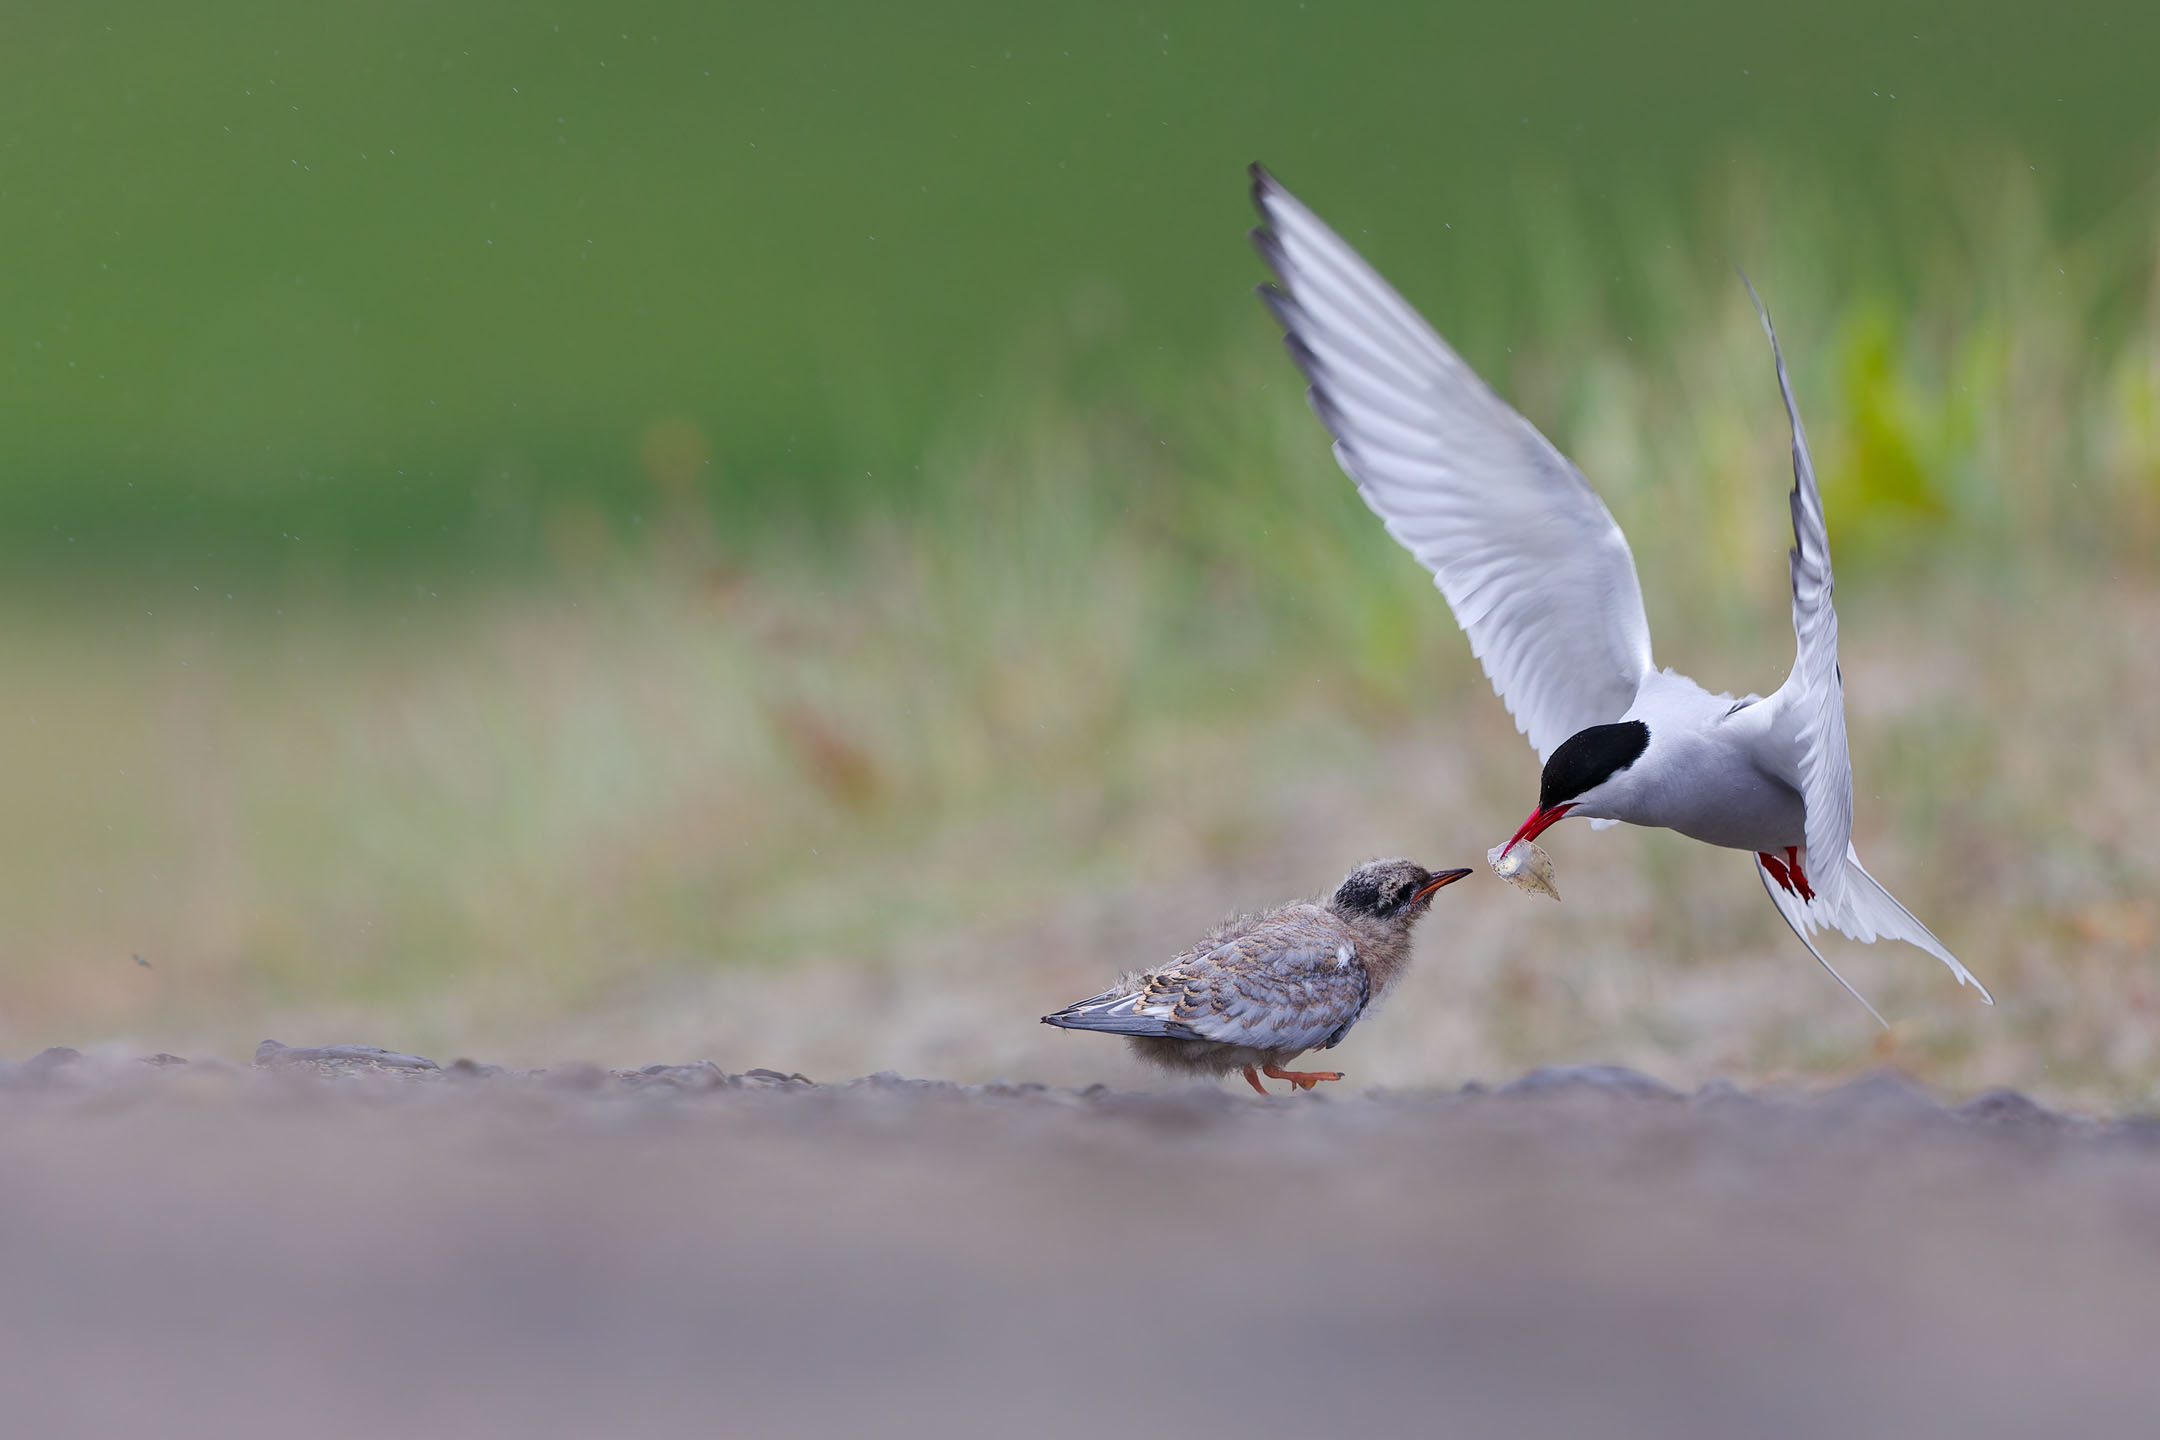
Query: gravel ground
{"x": 344, "y": 1241}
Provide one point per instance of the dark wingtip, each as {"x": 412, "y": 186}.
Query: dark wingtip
{"x": 1264, "y": 187}
{"x": 1302, "y": 353}
{"x": 1762, "y": 311}
{"x": 1323, "y": 404}
{"x": 1279, "y": 304}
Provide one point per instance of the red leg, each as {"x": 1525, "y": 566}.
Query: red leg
{"x": 1792, "y": 859}
{"x": 1252, "y": 1078}
{"x": 1777, "y": 870}
{"x": 1303, "y": 1079}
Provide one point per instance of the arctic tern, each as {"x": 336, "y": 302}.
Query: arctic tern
{"x": 1542, "y": 582}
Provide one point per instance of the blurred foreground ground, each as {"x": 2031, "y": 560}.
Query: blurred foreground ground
{"x": 334, "y": 1247}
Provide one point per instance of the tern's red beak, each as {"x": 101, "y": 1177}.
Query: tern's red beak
{"x": 1539, "y": 822}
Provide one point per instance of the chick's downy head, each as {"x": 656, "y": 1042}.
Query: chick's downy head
{"x": 1391, "y": 889}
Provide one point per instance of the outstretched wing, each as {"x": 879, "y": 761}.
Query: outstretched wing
{"x": 1538, "y": 574}
{"x": 1810, "y": 716}
{"x": 1811, "y": 702}
{"x": 1296, "y": 985}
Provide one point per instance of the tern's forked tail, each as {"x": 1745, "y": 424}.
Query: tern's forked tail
{"x": 1862, "y": 911}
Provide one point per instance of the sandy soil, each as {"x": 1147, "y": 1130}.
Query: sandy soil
{"x": 343, "y": 1243}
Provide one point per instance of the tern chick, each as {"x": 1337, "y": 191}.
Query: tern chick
{"x": 1263, "y": 989}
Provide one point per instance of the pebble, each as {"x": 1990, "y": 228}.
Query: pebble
{"x": 1601, "y": 1079}
{"x": 373, "y": 1057}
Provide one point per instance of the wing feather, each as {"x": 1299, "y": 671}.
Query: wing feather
{"x": 1810, "y": 716}
{"x": 1812, "y": 699}
{"x": 1301, "y": 997}
{"x": 1292, "y": 983}
{"x": 1119, "y": 1012}
{"x": 1529, "y": 559}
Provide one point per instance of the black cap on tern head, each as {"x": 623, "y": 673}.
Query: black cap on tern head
{"x": 1588, "y": 758}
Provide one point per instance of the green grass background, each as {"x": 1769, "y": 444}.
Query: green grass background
{"x": 781, "y": 533}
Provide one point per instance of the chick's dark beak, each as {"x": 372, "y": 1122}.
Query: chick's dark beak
{"x": 1440, "y": 881}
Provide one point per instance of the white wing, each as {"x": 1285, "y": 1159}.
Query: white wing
{"x": 1811, "y": 702}
{"x": 1812, "y": 712}
{"x": 1537, "y": 573}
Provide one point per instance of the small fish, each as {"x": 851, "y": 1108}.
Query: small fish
{"x": 142, "y": 962}
{"x": 1523, "y": 865}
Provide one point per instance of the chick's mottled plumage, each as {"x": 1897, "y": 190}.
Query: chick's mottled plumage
{"x": 1263, "y": 989}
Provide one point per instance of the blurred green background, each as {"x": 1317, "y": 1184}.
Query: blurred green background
{"x": 782, "y": 534}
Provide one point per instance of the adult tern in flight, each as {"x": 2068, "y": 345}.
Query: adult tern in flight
{"x": 1541, "y": 580}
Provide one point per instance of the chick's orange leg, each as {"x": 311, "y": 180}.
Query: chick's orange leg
{"x": 1303, "y": 1079}
{"x": 1252, "y": 1078}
